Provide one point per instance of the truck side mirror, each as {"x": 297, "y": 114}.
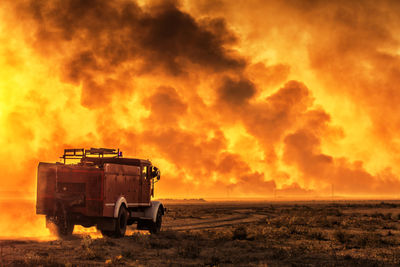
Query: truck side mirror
{"x": 155, "y": 173}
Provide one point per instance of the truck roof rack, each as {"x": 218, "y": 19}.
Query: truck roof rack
{"x": 81, "y": 153}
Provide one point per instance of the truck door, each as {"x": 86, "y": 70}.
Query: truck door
{"x": 145, "y": 185}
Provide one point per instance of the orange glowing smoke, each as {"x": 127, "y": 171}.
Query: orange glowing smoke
{"x": 229, "y": 98}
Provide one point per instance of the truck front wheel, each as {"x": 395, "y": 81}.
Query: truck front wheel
{"x": 155, "y": 227}
{"x": 122, "y": 220}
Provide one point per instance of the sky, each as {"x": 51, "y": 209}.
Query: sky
{"x": 230, "y": 99}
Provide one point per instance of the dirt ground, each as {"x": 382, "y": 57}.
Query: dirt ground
{"x": 363, "y": 233}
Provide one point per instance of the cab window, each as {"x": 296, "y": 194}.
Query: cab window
{"x": 144, "y": 172}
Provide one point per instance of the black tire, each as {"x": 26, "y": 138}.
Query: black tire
{"x": 59, "y": 223}
{"x": 155, "y": 227}
{"x": 121, "y": 223}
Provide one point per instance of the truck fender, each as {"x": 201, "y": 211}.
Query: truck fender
{"x": 151, "y": 212}
{"x": 121, "y": 200}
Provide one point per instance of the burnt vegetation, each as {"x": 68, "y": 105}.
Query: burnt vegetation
{"x": 329, "y": 234}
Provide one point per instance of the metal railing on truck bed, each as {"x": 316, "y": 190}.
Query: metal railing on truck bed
{"x": 81, "y": 153}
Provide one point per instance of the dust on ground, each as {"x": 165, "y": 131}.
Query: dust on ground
{"x": 327, "y": 233}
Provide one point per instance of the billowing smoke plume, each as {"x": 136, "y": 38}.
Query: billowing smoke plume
{"x": 104, "y": 43}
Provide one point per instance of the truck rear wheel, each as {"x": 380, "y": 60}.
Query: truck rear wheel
{"x": 155, "y": 227}
{"x": 59, "y": 224}
{"x": 122, "y": 220}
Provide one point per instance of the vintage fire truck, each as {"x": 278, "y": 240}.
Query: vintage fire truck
{"x": 98, "y": 187}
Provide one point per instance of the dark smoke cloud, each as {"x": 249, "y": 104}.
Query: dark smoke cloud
{"x": 236, "y": 92}
{"x": 101, "y": 36}
{"x": 269, "y": 120}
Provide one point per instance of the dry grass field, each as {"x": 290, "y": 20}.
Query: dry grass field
{"x": 235, "y": 234}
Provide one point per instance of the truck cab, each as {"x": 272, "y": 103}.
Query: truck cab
{"x": 98, "y": 188}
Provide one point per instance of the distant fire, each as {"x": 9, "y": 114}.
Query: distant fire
{"x": 229, "y": 99}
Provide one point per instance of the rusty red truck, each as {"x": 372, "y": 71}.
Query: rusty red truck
{"x": 98, "y": 187}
